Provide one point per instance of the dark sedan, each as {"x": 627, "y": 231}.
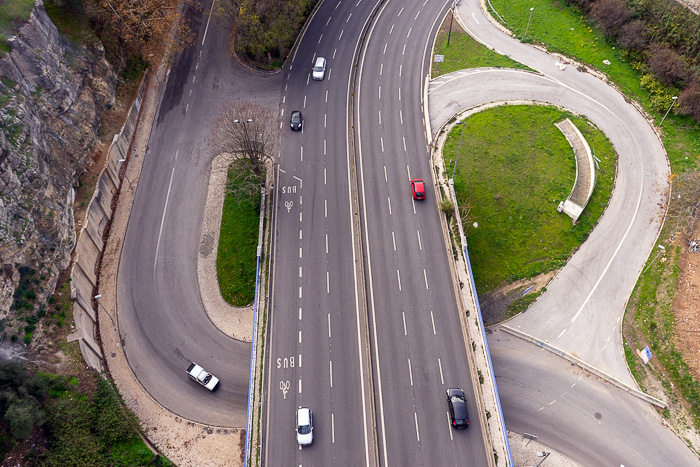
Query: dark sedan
{"x": 457, "y": 405}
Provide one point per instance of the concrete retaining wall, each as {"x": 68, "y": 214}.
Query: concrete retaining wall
{"x": 90, "y": 241}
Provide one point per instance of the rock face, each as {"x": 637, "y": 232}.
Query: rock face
{"x": 52, "y": 95}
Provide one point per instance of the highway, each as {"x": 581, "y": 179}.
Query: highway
{"x": 364, "y": 326}
{"x": 318, "y": 318}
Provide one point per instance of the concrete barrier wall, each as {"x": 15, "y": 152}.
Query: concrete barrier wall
{"x": 90, "y": 243}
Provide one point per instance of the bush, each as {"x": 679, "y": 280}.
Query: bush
{"x": 689, "y": 100}
{"x": 666, "y": 65}
{"x": 610, "y": 15}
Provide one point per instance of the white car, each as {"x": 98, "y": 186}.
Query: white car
{"x": 202, "y": 376}
{"x": 305, "y": 426}
{"x": 319, "y": 70}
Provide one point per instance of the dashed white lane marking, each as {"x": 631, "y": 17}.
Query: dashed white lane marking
{"x": 420, "y": 243}
{"x": 415, "y": 417}
{"x": 399, "y": 93}
{"x": 332, "y": 428}
{"x": 187, "y": 107}
{"x": 409, "y": 33}
{"x": 319, "y": 39}
{"x": 408, "y": 172}
{"x": 300, "y": 249}
{"x": 329, "y": 325}
{"x": 410, "y": 372}
{"x": 341, "y": 34}
{"x": 194, "y": 77}
{"x": 403, "y": 52}
{"x": 380, "y": 117}
{"x": 300, "y": 216}
{"x": 336, "y": 7}
{"x": 305, "y": 101}
{"x": 329, "y": 20}
{"x": 561, "y": 333}
{"x": 328, "y": 282}
{"x": 400, "y": 70}
{"x": 398, "y": 276}
{"x": 393, "y": 239}
{"x": 177, "y": 152}
{"x": 330, "y": 365}
{"x": 300, "y": 337}
{"x": 400, "y": 11}
{"x": 196, "y": 67}
{"x": 380, "y": 92}
{"x": 325, "y": 182}
{"x": 326, "y": 99}
{"x": 381, "y": 140}
{"x": 329, "y": 74}
{"x": 326, "y": 243}
{"x": 414, "y": 205}
{"x": 325, "y": 208}
{"x": 191, "y": 94}
{"x": 300, "y": 275}
{"x": 299, "y": 360}
{"x": 442, "y": 380}
{"x": 334, "y": 51}
{"x": 299, "y": 291}
{"x": 403, "y": 316}
{"x": 302, "y": 154}
{"x": 432, "y": 320}
{"x": 381, "y": 69}
{"x": 389, "y": 200}
{"x": 307, "y": 78}
{"x": 404, "y": 144}
{"x": 449, "y": 428}
{"x": 299, "y": 313}
{"x": 324, "y": 141}
{"x": 417, "y": 15}
{"x": 348, "y": 18}
{"x": 391, "y": 30}
{"x": 425, "y": 276}
{"x": 385, "y": 47}
{"x": 299, "y": 393}
{"x": 162, "y": 220}
{"x": 386, "y": 179}
{"x": 401, "y": 116}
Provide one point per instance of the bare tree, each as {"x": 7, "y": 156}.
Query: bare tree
{"x": 633, "y": 36}
{"x": 250, "y": 131}
{"x": 689, "y": 99}
{"x": 667, "y": 65}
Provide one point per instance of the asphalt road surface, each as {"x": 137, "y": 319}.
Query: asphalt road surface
{"x": 162, "y": 320}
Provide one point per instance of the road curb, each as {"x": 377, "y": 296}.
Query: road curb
{"x": 585, "y": 366}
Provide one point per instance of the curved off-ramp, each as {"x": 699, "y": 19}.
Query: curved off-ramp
{"x": 582, "y": 309}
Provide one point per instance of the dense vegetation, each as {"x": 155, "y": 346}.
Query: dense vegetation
{"x": 67, "y": 425}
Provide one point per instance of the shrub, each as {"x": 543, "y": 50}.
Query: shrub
{"x": 610, "y": 15}
{"x": 689, "y": 100}
{"x": 667, "y": 65}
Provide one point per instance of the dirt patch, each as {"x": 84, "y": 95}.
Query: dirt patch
{"x": 685, "y": 309}
{"x": 494, "y": 305}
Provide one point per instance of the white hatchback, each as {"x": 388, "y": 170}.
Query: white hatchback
{"x": 319, "y": 70}
{"x": 305, "y": 426}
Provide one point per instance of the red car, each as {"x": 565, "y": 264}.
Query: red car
{"x": 418, "y": 188}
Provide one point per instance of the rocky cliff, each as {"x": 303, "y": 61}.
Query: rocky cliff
{"x": 52, "y": 95}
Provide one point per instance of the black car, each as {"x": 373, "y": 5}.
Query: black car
{"x": 295, "y": 120}
{"x": 458, "y": 408}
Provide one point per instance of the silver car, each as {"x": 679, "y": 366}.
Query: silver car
{"x": 319, "y": 70}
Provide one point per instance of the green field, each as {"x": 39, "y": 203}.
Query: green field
{"x": 515, "y": 167}
{"x": 238, "y": 241}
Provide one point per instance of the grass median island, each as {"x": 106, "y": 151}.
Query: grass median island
{"x": 238, "y": 239}
{"x": 515, "y": 167}
{"x": 465, "y": 52}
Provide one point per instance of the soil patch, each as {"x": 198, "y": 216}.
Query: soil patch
{"x": 494, "y": 305}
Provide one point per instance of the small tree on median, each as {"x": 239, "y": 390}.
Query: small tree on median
{"x": 249, "y": 131}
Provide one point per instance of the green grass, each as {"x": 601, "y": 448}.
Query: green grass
{"x": 563, "y": 29}
{"x": 465, "y": 52}
{"x": 238, "y": 241}
{"x": 13, "y": 13}
{"x": 515, "y": 167}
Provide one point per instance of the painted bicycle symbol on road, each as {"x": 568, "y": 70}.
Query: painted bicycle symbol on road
{"x": 284, "y": 387}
